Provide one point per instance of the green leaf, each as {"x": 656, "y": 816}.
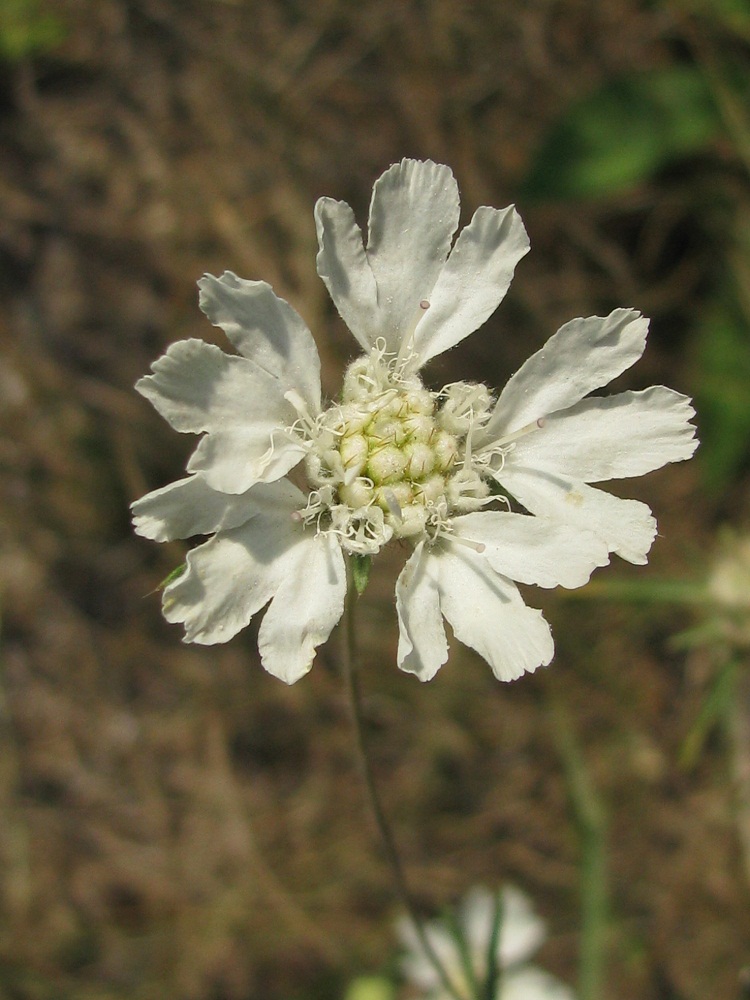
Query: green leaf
{"x": 621, "y": 134}
{"x": 25, "y": 30}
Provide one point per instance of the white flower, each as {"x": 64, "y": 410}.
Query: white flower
{"x": 393, "y": 460}
{"x": 469, "y": 942}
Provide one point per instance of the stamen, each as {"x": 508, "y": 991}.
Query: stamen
{"x": 292, "y": 396}
{"x": 468, "y": 543}
{"x": 535, "y": 425}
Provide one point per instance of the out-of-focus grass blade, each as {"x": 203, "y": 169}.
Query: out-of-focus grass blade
{"x": 493, "y": 986}
{"x": 590, "y": 818}
{"x": 645, "y": 591}
{"x": 722, "y": 355}
{"x": 717, "y": 702}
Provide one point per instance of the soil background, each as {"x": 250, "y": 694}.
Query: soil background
{"x": 175, "y": 822}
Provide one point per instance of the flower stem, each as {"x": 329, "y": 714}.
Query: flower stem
{"x": 373, "y": 795}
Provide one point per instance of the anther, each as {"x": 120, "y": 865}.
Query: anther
{"x": 424, "y": 304}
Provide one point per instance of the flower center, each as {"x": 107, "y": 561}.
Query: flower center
{"x": 393, "y": 460}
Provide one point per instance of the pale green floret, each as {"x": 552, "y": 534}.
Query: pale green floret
{"x": 386, "y": 463}
{"x": 420, "y": 460}
{"x": 431, "y": 490}
{"x": 466, "y": 405}
{"x": 395, "y": 498}
{"x": 466, "y": 490}
{"x": 397, "y": 457}
{"x": 354, "y": 451}
{"x": 445, "y": 450}
{"x": 357, "y": 494}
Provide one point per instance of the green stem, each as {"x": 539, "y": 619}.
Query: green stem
{"x": 590, "y": 819}
{"x": 645, "y": 591}
{"x": 373, "y": 795}
{"x": 738, "y": 724}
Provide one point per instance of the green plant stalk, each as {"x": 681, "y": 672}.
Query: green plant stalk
{"x": 737, "y": 723}
{"x": 373, "y": 795}
{"x": 454, "y": 927}
{"x": 717, "y": 706}
{"x": 590, "y": 820}
{"x": 493, "y": 986}
{"x": 645, "y": 592}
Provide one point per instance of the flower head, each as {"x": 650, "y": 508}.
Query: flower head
{"x": 392, "y": 459}
{"x": 493, "y": 938}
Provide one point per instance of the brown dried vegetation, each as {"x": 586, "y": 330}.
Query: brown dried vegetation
{"x": 177, "y": 824}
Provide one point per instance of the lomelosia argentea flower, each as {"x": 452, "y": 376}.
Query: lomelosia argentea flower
{"x": 486, "y": 492}
{"x": 486, "y": 950}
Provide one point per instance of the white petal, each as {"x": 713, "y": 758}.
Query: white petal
{"x": 307, "y": 605}
{"x": 413, "y": 216}
{"x": 422, "y": 646}
{"x": 189, "y": 507}
{"x": 473, "y": 281}
{"x": 234, "y": 460}
{"x": 265, "y": 329}
{"x": 229, "y": 578}
{"x": 197, "y": 387}
{"x": 531, "y": 983}
{"x": 486, "y": 612}
{"x": 343, "y": 266}
{"x": 627, "y": 526}
{"x": 477, "y": 919}
{"x": 417, "y": 968}
{"x": 233, "y": 575}
{"x": 615, "y": 437}
{"x": 522, "y": 931}
{"x": 534, "y": 550}
{"x": 583, "y": 355}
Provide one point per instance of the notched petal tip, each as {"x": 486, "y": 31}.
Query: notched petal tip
{"x": 422, "y": 644}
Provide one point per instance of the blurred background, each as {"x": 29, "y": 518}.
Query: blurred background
{"x": 174, "y": 822}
